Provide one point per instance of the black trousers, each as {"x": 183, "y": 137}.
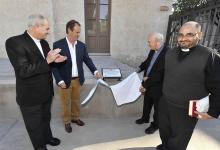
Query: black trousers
{"x": 37, "y": 121}
{"x": 149, "y": 103}
{"x": 175, "y": 126}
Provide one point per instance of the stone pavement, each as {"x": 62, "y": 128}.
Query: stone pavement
{"x": 107, "y": 128}
{"x": 105, "y": 134}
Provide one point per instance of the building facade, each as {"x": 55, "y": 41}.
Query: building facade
{"x": 109, "y": 27}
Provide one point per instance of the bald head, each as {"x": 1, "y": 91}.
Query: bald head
{"x": 192, "y": 24}
{"x": 189, "y": 34}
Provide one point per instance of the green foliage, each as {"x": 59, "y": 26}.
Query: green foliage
{"x": 183, "y": 5}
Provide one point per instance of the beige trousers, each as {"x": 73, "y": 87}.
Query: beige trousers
{"x": 70, "y": 101}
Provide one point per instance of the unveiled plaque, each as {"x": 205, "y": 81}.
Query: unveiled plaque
{"x": 111, "y": 73}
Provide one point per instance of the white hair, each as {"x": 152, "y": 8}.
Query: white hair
{"x": 35, "y": 19}
{"x": 159, "y": 37}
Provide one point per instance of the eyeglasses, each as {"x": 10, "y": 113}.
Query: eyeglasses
{"x": 187, "y": 35}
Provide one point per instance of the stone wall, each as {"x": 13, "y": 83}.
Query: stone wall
{"x": 14, "y": 14}
{"x": 131, "y": 21}
{"x": 65, "y": 10}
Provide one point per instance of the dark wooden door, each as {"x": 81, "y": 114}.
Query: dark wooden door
{"x": 97, "y": 25}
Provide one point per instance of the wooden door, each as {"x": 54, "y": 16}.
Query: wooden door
{"x": 97, "y": 26}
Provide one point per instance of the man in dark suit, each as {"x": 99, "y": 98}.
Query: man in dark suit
{"x": 152, "y": 81}
{"x": 31, "y": 58}
{"x": 69, "y": 75}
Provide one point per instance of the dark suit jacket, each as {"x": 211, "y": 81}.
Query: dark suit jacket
{"x": 154, "y": 83}
{"x": 34, "y": 83}
{"x": 63, "y": 71}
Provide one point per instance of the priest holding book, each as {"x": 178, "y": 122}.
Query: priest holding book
{"x": 192, "y": 72}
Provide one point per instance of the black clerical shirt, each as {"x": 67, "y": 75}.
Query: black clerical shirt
{"x": 212, "y": 80}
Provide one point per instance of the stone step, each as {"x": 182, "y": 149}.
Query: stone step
{"x": 101, "y": 105}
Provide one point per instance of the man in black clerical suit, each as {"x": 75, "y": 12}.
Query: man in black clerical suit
{"x": 31, "y": 57}
{"x": 152, "y": 80}
{"x": 191, "y": 72}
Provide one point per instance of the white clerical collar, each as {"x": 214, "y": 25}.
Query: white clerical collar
{"x": 185, "y": 49}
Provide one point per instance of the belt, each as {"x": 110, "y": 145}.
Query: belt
{"x": 73, "y": 78}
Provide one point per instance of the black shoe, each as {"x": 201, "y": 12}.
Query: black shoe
{"x": 161, "y": 147}
{"x": 78, "y": 122}
{"x": 68, "y": 127}
{"x": 141, "y": 121}
{"x": 53, "y": 141}
{"x": 151, "y": 129}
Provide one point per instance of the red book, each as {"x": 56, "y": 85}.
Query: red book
{"x": 201, "y": 105}
{"x": 192, "y": 108}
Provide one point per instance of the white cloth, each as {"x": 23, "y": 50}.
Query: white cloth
{"x": 124, "y": 92}
{"x": 91, "y": 93}
{"x": 127, "y": 91}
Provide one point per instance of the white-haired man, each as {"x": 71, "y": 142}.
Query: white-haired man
{"x": 152, "y": 80}
{"x": 31, "y": 57}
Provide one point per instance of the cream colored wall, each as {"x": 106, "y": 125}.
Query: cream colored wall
{"x": 65, "y": 10}
{"x": 131, "y": 21}
{"x": 14, "y": 14}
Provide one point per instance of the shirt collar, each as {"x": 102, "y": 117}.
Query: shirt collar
{"x": 71, "y": 43}
{"x": 185, "y": 49}
{"x": 160, "y": 49}
{"x": 188, "y": 49}
{"x": 33, "y": 38}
